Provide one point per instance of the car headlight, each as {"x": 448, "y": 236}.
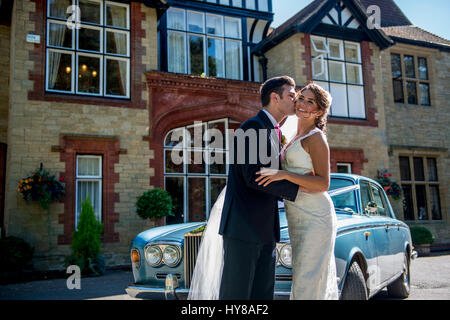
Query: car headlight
{"x": 153, "y": 255}
{"x": 171, "y": 256}
{"x": 286, "y": 255}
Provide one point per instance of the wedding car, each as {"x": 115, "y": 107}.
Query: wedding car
{"x": 373, "y": 249}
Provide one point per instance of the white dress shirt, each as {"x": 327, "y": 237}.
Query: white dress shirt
{"x": 272, "y": 119}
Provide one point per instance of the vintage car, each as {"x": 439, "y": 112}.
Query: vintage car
{"x": 373, "y": 249}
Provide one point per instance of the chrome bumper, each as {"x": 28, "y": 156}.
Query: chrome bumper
{"x": 172, "y": 292}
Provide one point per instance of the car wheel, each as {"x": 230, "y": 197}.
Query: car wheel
{"x": 400, "y": 287}
{"x": 355, "y": 284}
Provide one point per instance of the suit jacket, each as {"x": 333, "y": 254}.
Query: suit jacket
{"x": 250, "y": 211}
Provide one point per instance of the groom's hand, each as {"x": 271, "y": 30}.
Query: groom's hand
{"x": 268, "y": 176}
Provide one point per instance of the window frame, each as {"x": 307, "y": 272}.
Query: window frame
{"x": 205, "y": 35}
{"x": 75, "y": 51}
{"x": 348, "y": 165}
{"x": 416, "y": 80}
{"x": 207, "y": 175}
{"x": 99, "y": 178}
{"x": 342, "y": 60}
{"x": 427, "y": 183}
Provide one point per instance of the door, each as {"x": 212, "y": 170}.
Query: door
{"x": 2, "y": 187}
{"x": 392, "y": 230}
{"x": 378, "y": 232}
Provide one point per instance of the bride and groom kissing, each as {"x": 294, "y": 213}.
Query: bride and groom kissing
{"x": 237, "y": 256}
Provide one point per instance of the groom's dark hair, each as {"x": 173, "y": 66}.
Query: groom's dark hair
{"x": 274, "y": 84}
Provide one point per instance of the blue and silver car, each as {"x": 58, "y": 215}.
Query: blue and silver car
{"x": 373, "y": 249}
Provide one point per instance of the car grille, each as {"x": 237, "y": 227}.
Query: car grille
{"x": 191, "y": 247}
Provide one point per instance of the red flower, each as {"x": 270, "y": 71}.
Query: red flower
{"x": 390, "y": 174}
{"x": 385, "y": 175}
{"x": 61, "y": 179}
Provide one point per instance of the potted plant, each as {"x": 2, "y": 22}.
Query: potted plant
{"x": 154, "y": 204}
{"x": 86, "y": 243}
{"x": 422, "y": 238}
{"x": 391, "y": 188}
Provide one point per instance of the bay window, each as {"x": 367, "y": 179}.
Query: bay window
{"x": 337, "y": 67}
{"x": 91, "y": 55}
{"x": 204, "y": 44}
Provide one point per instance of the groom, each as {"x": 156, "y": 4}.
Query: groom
{"x": 249, "y": 222}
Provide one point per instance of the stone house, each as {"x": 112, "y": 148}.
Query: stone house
{"x": 102, "y": 101}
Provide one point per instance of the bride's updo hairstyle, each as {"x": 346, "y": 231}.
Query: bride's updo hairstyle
{"x": 323, "y": 100}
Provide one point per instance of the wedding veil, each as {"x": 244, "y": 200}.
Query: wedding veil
{"x": 207, "y": 274}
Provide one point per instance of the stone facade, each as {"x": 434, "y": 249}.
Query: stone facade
{"x": 421, "y": 131}
{"x": 39, "y": 127}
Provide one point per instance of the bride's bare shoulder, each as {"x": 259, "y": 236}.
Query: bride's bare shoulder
{"x": 315, "y": 140}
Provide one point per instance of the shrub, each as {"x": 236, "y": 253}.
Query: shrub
{"x": 86, "y": 242}
{"x": 15, "y": 254}
{"x": 155, "y": 203}
{"x": 421, "y": 235}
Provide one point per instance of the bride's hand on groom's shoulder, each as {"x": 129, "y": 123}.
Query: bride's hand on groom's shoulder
{"x": 267, "y": 176}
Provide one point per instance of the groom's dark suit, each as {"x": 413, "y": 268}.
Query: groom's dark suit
{"x": 250, "y": 223}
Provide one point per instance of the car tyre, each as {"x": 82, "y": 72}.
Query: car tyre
{"x": 355, "y": 284}
{"x": 400, "y": 288}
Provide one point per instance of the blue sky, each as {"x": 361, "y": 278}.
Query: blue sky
{"x": 430, "y": 15}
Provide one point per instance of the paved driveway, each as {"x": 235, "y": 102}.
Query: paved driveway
{"x": 430, "y": 280}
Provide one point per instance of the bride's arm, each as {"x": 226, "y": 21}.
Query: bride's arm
{"x": 319, "y": 151}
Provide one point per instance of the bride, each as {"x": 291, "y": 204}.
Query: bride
{"x": 311, "y": 218}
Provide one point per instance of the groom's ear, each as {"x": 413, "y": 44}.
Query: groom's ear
{"x": 275, "y": 97}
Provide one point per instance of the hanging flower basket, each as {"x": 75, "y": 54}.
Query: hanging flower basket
{"x": 390, "y": 187}
{"x": 41, "y": 186}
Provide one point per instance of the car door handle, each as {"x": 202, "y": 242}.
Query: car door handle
{"x": 386, "y": 227}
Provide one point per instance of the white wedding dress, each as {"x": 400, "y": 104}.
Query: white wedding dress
{"x": 312, "y": 230}
{"x": 312, "y": 226}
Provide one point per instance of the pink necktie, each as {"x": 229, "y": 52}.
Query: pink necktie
{"x": 277, "y": 128}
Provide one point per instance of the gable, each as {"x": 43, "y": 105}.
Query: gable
{"x": 341, "y": 16}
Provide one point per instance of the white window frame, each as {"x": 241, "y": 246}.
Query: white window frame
{"x": 72, "y": 84}
{"x": 98, "y": 178}
{"x": 100, "y": 74}
{"x": 348, "y": 165}
{"x": 64, "y": 24}
{"x": 102, "y": 10}
{"x": 205, "y": 35}
{"x": 117, "y": 4}
{"x": 128, "y": 76}
{"x": 75, "y": 50}
{"x": 342, "y": 111}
